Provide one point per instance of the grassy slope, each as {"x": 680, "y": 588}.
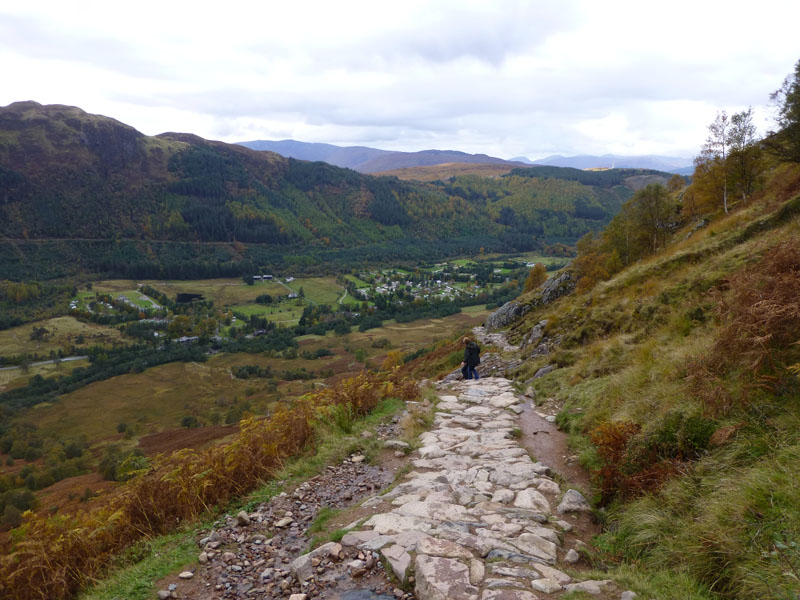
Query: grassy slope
{"x": 447, "y": 170}
{"x": 725, "y": 523}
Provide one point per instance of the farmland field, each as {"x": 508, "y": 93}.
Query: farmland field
{"x": 11, "y": 378}
{"x": 224, "y": 292}
{"x": 319, "y": 290}
{"x": 62, "y": 332}
{"x": 158, "y": 398}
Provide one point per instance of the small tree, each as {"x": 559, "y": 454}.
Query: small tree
{"x": 675, "y": 183}
{"x": 785, "y": 143}
{"x": 536, "y": 277}
{"x": 716, "y": 147}
{"x": 745, "y": 154}
{"x": 654, "y": 211}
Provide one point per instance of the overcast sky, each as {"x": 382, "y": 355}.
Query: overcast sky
{"x": 501, "y": 77}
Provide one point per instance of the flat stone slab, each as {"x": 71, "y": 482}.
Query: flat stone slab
{"x": 442, "y": 579}
{"x": 389, "y": 523}
{"x": 478, "y": 411}
{"x": 554, "y": 574}
{"x": 532, "y": 500}
{"x": 443, "y": 548}
{"x": 508, "y": 595}
{"x": 354, "y": 538}
{"x": 439, "y": 511}
{"x": 594, "y": 587}
{"x": 399, "y": 560}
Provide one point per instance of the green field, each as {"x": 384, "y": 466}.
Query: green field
{"x": 360, "y": 283}
{"x": 223, "y": 292}
{"x": 285, "y": 313}
{"x": 319, "y": 290}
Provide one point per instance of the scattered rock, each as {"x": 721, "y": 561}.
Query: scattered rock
{"x": 242, "y": 518}
{"x": 594, "y": 587}
{"x": 573, "y": 501}
{"x": 544, "y": 371}
{"x": 186, "y": 575}
{"x": 572, "y": 557}
{"x": 629, "y": 595}
{"x": 548, "y": 586}
{"x": 395, "y": 445}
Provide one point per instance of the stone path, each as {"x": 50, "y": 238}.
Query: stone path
{"x": 477, "y": 518}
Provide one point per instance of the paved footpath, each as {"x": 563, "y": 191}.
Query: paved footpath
{"x": 477, "y": 518}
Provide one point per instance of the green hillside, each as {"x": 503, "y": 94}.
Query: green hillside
{"x": 676, "y": 377}
{"x": 81, "y": 192}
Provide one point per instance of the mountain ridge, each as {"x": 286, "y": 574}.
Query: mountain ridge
{"x": 370, "y": 160}
{"x": 113, "y": 200}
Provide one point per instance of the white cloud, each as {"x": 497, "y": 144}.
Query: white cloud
{"x": 504, "y": 78}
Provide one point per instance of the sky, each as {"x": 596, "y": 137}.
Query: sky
{"x": 505, "y": 78}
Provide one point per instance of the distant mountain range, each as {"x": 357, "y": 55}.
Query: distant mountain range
{"x": 669, "y": 164}
{"x": 371, "y": 160}
{"x": 374, "y": 160}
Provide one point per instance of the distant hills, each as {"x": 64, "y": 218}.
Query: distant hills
{"x": 669, "y": 164}
{"x": 374, "y": 160}
{"x": 82, "y": 192}
{"x": 371, "y": 160}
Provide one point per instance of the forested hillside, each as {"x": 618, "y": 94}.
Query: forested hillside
{"x": 81, "y": 192}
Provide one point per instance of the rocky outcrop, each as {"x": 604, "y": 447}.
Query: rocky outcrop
{"x": 551, "y": 290}
{"x": 555, "y": 288}
{"x": 508, "y": 313}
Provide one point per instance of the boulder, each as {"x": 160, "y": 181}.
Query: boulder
{"x": 573, "y": 501}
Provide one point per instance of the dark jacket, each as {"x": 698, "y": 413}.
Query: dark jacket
{"x": 472, "y": 354}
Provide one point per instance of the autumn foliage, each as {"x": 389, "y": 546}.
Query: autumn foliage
{"x": 758, "y": 309}
{"x": 54, "y": 556}
{"x": 630, "y": 465}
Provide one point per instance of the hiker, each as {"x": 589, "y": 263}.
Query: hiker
{"x": 471, "y": 359}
